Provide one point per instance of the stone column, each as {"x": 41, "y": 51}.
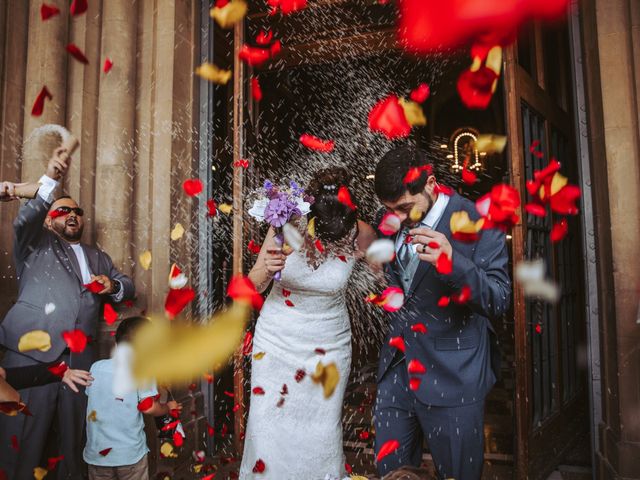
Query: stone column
{"x": 116, "y": 121}
{"x": 46, "y": 66}
{"x": 620, "y": 443}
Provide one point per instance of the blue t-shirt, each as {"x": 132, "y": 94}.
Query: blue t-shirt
{"x": 118, "y": 423}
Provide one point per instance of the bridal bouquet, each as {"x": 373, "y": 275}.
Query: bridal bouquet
{"x": 277, "y": 205}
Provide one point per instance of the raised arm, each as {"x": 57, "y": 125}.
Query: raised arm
{"x": 270, "y": 260}
{"x": 29, "y": 224}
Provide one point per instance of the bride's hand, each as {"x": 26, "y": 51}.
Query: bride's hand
{"x": 274, "y": 260}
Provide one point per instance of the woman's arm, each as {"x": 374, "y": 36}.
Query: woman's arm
{"x": 270, "y": 260}
{"x": 39, "y": 374}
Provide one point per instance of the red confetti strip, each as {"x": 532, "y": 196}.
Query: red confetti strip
{"x": 48, "y": 11}
{"x": 364, "y": 435}
{"x": 445, "y": 190}
{"x": 52, "y": 462}
{"x": 315, "y": 143}
{"x": 192, "y": 186}
{"x": 320, "y": 351}
{"x": 177, "y": 300}
{"x": 76, "y": 53}
{"x": 319, "y": 246}
{"x": 247, "y": 344}
{"x": 76, "y": 340}
{"x": 256, "y": 90}
{"x": 38, "y": 105}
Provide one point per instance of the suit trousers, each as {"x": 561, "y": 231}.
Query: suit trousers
{"x": 23, "y": 438}
{"x": 454, "y": 434}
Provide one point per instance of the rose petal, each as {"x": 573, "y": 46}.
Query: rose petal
{"x": 444, "y": 301}
{"x": 476, "y": 87}
{"x": 344, "y": 197}
{"x": 177, "y": 300}
{"x": 389, "y": 224}
{"x": 38, "y": 105}
{"x": 264, "y": 37}
{"x": 387, "y": 448}
{"x": 256, "y": 90}
{"x": 444, "y": 264}
{"x": 48, "y": 11}
{"x": 247, "y": 344}
{"x": 388, "y": 117}
{"x": 78, "y": 7}
{"x": 258, "y": 391}
{"x": 560, "y": 230}
{"x": 76, "y": 53}
{"x": 315, "y": 143}
{"x": 253, "y": 247}
{"x": 414, "y": 383}
{"x": 242, "y": 289}
{"x": 463, "y": 296}
{"x": 254, "y": 56}
{"x": 192, "y": 186}
{"x": 108, "y": 63}
{"x": 212, "y": 208}
{"x": 420, "y": 93}
{"x": 145, "y": 404}
{"x": 76, "y": 340}
{"x": 259, "y": 467}
{"x": 535, "y": 209}
{"x": 58, "y": 369}
{"x": 52, "y": 462}
{"x": 397, "y": 342}
{"x": 415, "y": 367}
{"x": 419, "y": 328}
{"x": 110, "y": 315}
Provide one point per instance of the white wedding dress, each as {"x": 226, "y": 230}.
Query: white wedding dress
{"x": 292, "y": 428}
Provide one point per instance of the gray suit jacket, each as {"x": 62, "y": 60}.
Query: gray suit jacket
{"x": 459, "y": 349}
{"x": 48, "y": 272}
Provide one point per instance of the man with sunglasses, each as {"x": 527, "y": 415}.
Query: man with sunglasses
{"x": 54, "y": 272}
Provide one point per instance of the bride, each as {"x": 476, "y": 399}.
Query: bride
{"x": 293, "y": 431}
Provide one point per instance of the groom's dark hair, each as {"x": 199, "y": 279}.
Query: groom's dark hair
{"x": 393, "y": 168}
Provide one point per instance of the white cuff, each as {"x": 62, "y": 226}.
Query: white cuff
{"x": 120, "y": 295}
{"x": 47, "y": 186}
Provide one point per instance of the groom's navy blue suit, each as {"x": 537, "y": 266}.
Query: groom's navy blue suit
{"x": 459, "y": 351}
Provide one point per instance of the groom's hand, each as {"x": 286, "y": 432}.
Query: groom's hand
{"x": 431, "y": 244}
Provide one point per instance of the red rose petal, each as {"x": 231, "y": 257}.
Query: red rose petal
{"x": 76, "y": 340}
{"x": 444, "y": 265}
{"x": 533, "y": 149}
{"x": 94, "y": 287}
{"x": 289, "y": 303}
{"x": 48, "y": 11}
{"x": 538, "y": 328}
{"x": 468, "y": 177}
{"x": 241, "y": 288}
{"x": 416, "y": 367}
{"x": 476, "y": 88}
{"x": 320, "y": 351}
{"x": 256, "y": 90}
{"x": 192, "y": 186}
{"x": 284, "y": 390}
{"x": 58, "y": 369}
{"x": 387, "y": 449}
{"x": 286, "y": 293}
{"x": 319, "y": 246}
{"x": 344, "y": 197}
{"x": 259, "y": 467}
{"x": 264, "y": 37}
{"x": 178, "y": 439}
{"x": 242, "y": 163}
{"x": 388, "y": 117}
{"x": 535, "y": 209}
{"x": 78, "y": 7}
{"x": 177, "y": 299}
{"x": 145, "y": 404}
{"x": 419, "y": 328}
{"x": 110, "y": 315}
{"x": 364, "y": 435}
{"x": 254, "y": 56}
{"x": 52, "y": 462}
{"x": 397, "y": 342}
{"x": 76, "y": 53}
{"x": 560, "y": 230}
{"x": 247, "y": 344}
{"x": 105, "y": 452}
{"x": 414, "y": 383}
{"x": 38, "y": 105}
{"x": 107, "y": 65}
{"x": 563, "y": 202}
{"x": 439, "y": 188}
{"x": 258, "y": 391}
{"x": 421, "y": 93}
{"x": 444, "y": 301}
{"x": 315, "y": 143}
{"x": 212, "y": 208}
{"x": 253, "y": 247}
{"x": 462, "y": 296}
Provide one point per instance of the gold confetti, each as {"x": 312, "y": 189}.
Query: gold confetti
{"x": 461, "y": 223}
{"x": 494, "y": 59}
{"x": 230, "y": 14}
{"x": 93, "y": 416}
{"x": 225, "y": 208}
{"x": 328, "y": 376}
{"x": 413, "y": 112}
{"x": 166, "y": 450}
{"x": 259, "y": 355}
{"x": 416, "y": 214}
{"x": 34, "y": 340}
{"x": 211, "y": 73}
{"x": 39, "y": 473}
{"x": 171, "y": 352}
{"x": 311, "y": 227}
{"x": 145, "y": 259}
{"x": 490, "y": 143}
{"x": 177, "y": 232}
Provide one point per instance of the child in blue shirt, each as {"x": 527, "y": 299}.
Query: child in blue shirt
{"x": 116, "y": 444}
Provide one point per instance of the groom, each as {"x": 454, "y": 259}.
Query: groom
{"x": 437, "y": 363}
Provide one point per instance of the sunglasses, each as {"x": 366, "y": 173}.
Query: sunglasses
{"x": 62, "y": 211}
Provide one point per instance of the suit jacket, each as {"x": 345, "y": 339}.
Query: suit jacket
{"x": 459, "y": 349}
{"x": 48, "y": 272}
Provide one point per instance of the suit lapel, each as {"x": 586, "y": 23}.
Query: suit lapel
{"x": 73, "y": 260}
{"x": 442, "y": 227}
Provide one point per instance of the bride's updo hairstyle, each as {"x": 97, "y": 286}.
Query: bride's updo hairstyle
{"x": 333, "y": 219}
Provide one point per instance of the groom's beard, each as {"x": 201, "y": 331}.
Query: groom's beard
{"x": 410, "y": 223}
